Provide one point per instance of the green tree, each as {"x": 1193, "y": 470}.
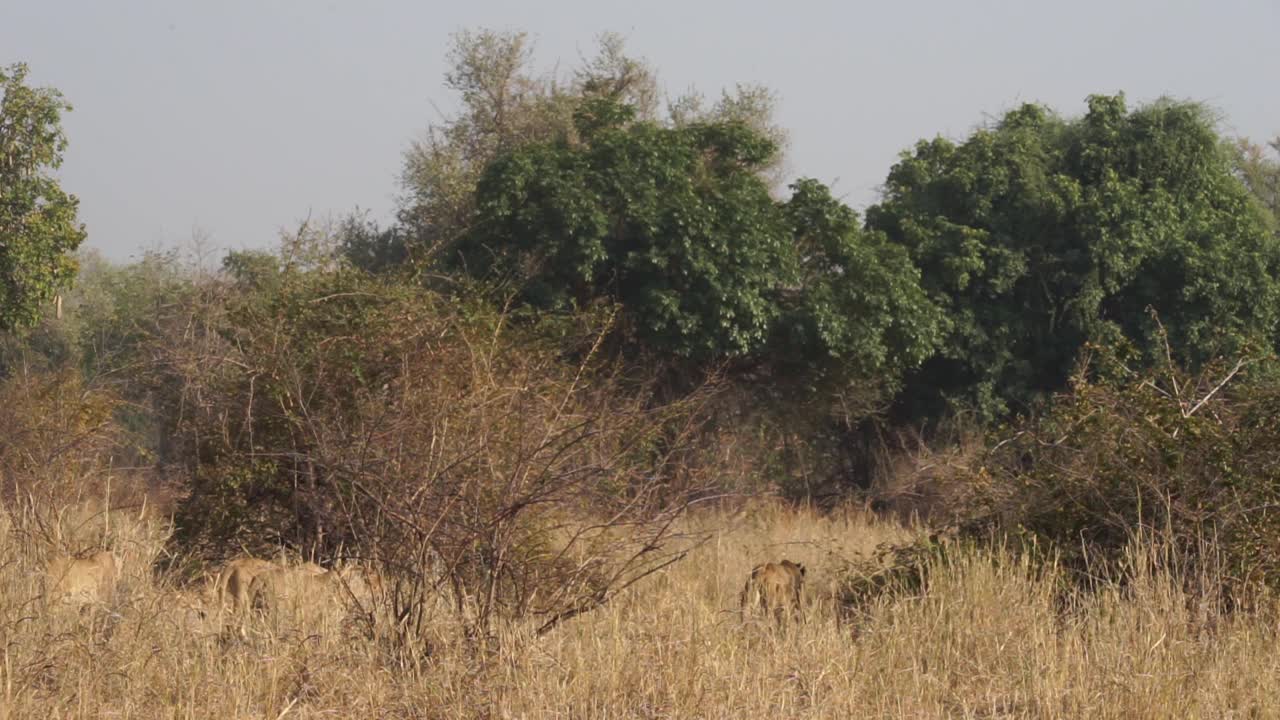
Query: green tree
{"x": 678, "y": 226}
{"x": 504, "y": 103}
{"x": 857, "y": 308}
{"x": 38, "y": 228}
{"x": 674, "y": 223}
{"x": 365, "y": 244}
{"x": 1038, "y": 234}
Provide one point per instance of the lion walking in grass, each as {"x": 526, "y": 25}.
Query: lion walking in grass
{"x": 232, "y": 585}
{"x": 775, "y": 589}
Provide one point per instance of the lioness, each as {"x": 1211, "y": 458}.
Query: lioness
{"x": 307, "y": 583}
{"x": 775, "y": 588}
{"x": 82, "y": 580}
{"x": 232, "y": 588}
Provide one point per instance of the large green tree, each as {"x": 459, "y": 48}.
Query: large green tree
{"x": 38, "y": 226}
{"x": 855, "y": 308}
{"x": 1040, "y": 233}
{"x": 674, "y": 223}
{"x": 677, "y": 225}
{"x": 503, "y": 103}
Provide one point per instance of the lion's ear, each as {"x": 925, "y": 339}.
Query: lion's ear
{"x": 801, "y": 568}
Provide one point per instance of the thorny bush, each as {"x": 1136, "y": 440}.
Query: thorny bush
{"x": 486, "y": 474}
{"x": 1191, "y": 460}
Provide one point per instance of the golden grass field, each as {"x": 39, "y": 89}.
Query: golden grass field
{"x": 988, "y": 640}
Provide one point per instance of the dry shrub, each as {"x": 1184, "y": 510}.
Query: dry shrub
{"x": 924, "y": 479}
{"x": 530, "y": 486}
{"x": 489, "y": 474}
{"x": 58, "y": 440}
{"x": 1193, "y": 460}
{"x": 55, "y": 434}
{"x": 1186, "y": 462}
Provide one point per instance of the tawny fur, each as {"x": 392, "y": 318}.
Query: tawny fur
{"x": 307, "y": 583}
{"x": 87, "y": 579}
{"x": 232, "y": 590}
{"x": 774, "y": 588}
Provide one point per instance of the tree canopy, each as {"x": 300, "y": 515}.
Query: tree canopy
{"x": 858, "y": 308}
{"x": 677, "y": 225}
{"x": 38, "y": 227}
{"x": 674, "y": 223}
{"x": 505, "y": 104}
{"x": 1039, "y": 234}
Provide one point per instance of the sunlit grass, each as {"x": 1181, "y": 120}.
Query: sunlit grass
{"x": 992, "y": 637}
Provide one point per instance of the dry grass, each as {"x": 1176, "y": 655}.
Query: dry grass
{"x": 988, "y": 640}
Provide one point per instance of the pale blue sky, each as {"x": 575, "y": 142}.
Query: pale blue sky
{"x": 237, "y": 118}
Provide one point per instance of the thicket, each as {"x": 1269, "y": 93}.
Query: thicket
{"x": 350, "y": 417}
{"x": 494, "y": 466}
{"x": 1039, "y": 235}
{"x": 1190, "y": 460}
{"x": 971, "y": 289}
{"x": 587, "y": 310}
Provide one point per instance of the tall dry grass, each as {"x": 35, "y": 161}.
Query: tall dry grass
{"x": 991, "y": 637}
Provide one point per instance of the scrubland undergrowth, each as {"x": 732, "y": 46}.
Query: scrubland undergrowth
{"x": 989, "y": 636}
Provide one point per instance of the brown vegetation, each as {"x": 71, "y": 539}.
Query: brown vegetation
{"x": 990, "y": 637}
{"x": 511, "y": 527}
{"x": 983, "y": 632}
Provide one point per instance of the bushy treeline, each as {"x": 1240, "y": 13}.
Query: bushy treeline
{"x": 594, "y": 309}
{"x": 287, "y": 401}
{"x": 970, "y": 287}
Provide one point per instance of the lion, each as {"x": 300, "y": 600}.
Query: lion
{"x": 307, "y": 583}
{"x": 774, "y": 588}
{"x": 232, "y": 585}
{"x": 83, "y": 580}
{"x": 310, "y": 590}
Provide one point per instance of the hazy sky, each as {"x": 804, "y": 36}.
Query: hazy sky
{"x": 236, "y": 118}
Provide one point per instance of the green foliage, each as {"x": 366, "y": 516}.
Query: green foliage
{"x": 372, "y": 248}
{"x": 504, "y": 104}
{"x": 674, "y": 223}
{"x": 115, "y": 311}
{"x": 253, "y": 270}
{"x": 1039, "y": 234}
{"x": 677, "y": 226}
{"x": 859, "y": 309}
{"x": 109, "y": 316}
{"x": 38, "y": 228}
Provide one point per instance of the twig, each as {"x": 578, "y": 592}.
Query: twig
{"x": 287, "y": 708}
{"x": 603, "y": 598}
{"x": 1239, "y": 364}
